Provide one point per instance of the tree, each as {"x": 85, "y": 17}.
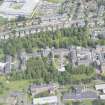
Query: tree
{"x": 35, "y": 68}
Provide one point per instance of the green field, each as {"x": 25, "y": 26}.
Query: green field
{"x": 2, "y": 20}
{"x": 8, "y": 86}
{"x": 85, "y": 102}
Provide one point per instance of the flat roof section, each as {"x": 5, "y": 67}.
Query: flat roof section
{"x": 25, "y": 10}
{"x": 100, "y": 87}
{"x": 45, "y": 100}
{"x": 102, "y": 97}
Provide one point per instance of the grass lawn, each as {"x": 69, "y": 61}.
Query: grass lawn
{"x": 86, "y": 102}
{"x": 17, "y": 85}
{"x": 2, "y": 20}
{"x": 16, "y": 6}
{"x": 68, "y": 102}
{"x": 82, "y": 76}
{"x": 13, "y": 85}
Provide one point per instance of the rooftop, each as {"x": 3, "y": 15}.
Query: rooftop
{"x": 15, "y": 8}
{"x": 100, "y": 87}
{"x": 81, "y": 96}
{"x": 45, "y": 100}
